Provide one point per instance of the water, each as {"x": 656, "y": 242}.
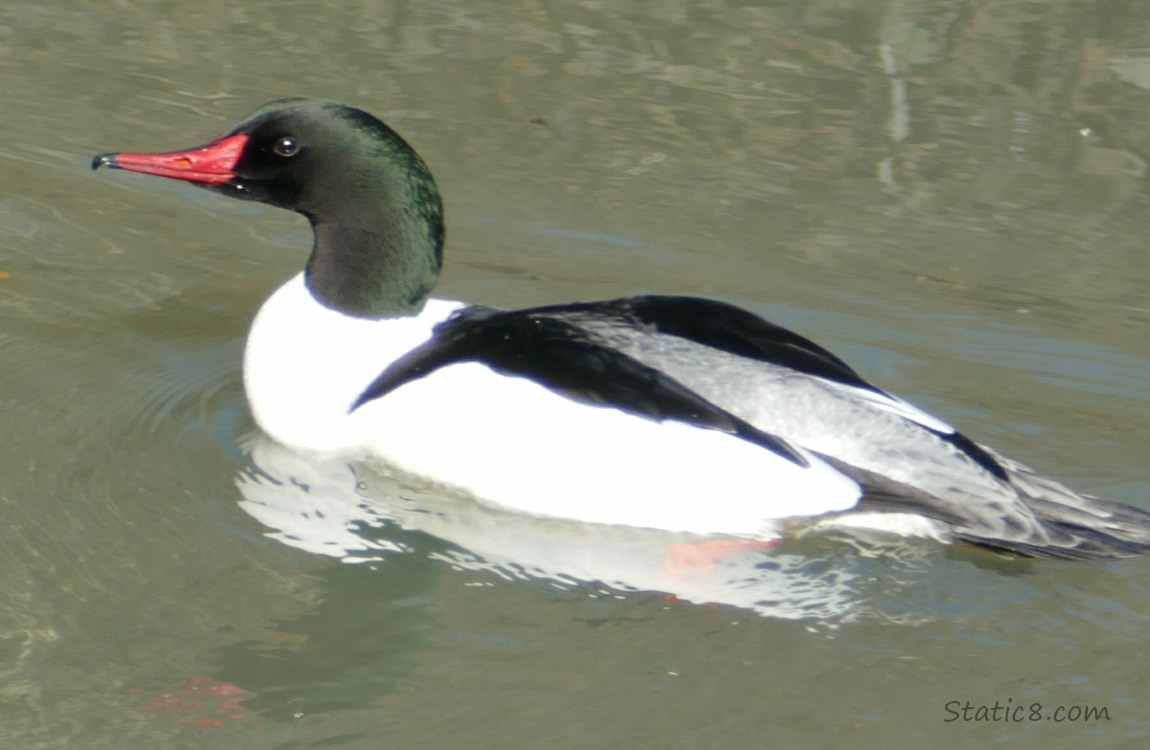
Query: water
{"x": 951, "y": 197}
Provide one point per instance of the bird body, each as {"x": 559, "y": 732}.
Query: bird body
{"x": 666, "y": 412}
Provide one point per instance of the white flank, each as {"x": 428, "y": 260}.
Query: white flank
{"x": 515, "y": 443}
{"x": 510, "y": 441}
{"x": 901, "y": 524}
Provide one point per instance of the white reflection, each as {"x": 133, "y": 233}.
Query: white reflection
{"x": 344, "y": 510}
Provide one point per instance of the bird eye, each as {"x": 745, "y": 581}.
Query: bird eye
{"x": 286, "y": 146}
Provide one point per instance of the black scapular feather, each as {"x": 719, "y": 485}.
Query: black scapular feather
{"x": 558, "y": 355}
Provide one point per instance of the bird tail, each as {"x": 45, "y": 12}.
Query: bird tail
{"x": 1078, "y": 527}
{"x": 1043, "y": 519}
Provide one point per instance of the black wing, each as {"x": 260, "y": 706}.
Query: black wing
{"x": 732, "y": 329}
{"x": 558, "y": 355}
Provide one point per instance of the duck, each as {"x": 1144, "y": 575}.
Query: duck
{"x": 683, "y": 414}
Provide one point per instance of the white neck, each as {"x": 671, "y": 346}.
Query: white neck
{"x": 305, "y": 364}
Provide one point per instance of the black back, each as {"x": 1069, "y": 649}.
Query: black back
{"x": 725, "y": 327}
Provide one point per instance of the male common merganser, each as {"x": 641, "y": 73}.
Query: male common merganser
{"x": 665, "y": 412}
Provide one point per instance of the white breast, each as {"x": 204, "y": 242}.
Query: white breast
{"x": 305, "y": 365}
